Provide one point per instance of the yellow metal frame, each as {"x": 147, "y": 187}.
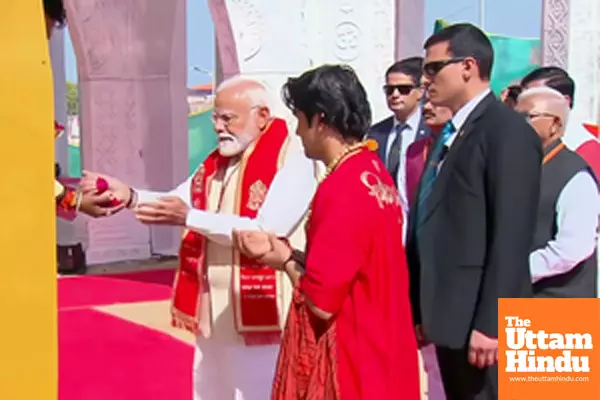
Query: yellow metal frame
{"x": 28, "y": 306}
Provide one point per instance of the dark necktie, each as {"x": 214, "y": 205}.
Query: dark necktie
{"x": 431, "y": 170}
{"x": 393, "y": 160}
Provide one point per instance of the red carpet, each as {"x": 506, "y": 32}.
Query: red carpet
{"x": 111, "y": 289}
{"x": 106, "y": 358}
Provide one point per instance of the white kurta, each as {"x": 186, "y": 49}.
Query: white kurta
{"x": 224, "y": 368}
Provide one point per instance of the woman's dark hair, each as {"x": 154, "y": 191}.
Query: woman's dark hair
{"x": 55, "y": 10}
{"x": 335, "y": 93}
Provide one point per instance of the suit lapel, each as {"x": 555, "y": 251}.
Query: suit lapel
{"x": 446, "y": 170}
{"x": 381, "y": 136}
{"x": 423, "y": 131}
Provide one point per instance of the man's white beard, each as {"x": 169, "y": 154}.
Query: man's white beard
{"x": 231, "y": 145}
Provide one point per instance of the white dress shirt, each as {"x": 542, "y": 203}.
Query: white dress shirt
{"x": 461, "y": 115}
{"x": 577, "y": 211}
{"x": 409, "y": 134}
{"x": 285, "y": 204}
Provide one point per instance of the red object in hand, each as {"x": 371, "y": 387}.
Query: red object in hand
{"x": 101, "y": 187}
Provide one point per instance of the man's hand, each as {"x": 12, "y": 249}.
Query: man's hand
{"x": 483, "y": 350}
{"x": 263, "y": 247}
{"x": 119, "y": 190}
{"x": 170, "y": 210}
{"x": 94, "y": 204}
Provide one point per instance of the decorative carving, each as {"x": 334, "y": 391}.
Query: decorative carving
{"x": 347, "y": 6}
{"x": 555, "y": 33}
{"x": 382, "y": 53}
{"x": 348, "y": 41}
{"x": 198, "y": 185}
{"x": 258, "y": 192}
{"x": 249, "y": 27}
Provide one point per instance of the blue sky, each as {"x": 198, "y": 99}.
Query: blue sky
{"x": 507, "y": 17}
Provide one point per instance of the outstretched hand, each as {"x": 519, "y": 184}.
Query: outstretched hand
{"x": 168, "y": 210}
{"x": 264, "y": 247}
{"x": 93, "y": 182}
{"x": 99, "y": 205}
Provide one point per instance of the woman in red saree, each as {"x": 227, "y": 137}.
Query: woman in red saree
{"x": 349, "y": 333}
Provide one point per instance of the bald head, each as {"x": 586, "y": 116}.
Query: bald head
{"x": 242, "y": 112}
{"x": 547, "y": 111}
{"x": 244, "y": 89}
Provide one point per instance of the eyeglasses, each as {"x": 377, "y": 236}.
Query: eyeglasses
{"x": 227, "y": 118}
{"x": 432, "y": 68}
{"x": 402, "y": 89}
{"x": 531, "y": 115}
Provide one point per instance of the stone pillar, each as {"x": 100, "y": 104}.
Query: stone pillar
{"x": 57, "y": 57}
{"x": 132, "y": 119}
{"x": 571, "y": 40}
{"x": 171, "y": 147}
{"x": 272, "y": 40}
{"x": 410, "y": 26}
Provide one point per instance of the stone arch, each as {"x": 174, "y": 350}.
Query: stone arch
{"x": 132, "y": 78}
{"x": 571, "y": 40}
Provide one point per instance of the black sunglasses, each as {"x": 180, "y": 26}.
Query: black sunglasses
{"x": 432, "y": 68}
{"x": 402, "y": 89}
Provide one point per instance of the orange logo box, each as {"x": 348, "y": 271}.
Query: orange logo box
{"x": 549, "y": 349}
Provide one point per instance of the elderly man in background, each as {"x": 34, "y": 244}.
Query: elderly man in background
{"x": 563, "y": 263}
{"x": 257, "y": 179}
{"x": 577, "y": 137}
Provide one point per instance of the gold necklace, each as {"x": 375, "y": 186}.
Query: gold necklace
{"x": 348, "y": 151}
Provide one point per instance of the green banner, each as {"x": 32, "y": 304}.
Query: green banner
{"x": 202, "y": 138}
{"x": 513, "y": 57}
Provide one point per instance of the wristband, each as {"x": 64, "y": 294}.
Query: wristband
{"x": 132, "y": 195}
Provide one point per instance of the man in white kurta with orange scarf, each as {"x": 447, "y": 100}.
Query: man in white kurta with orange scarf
{"x": 257, "y": 178}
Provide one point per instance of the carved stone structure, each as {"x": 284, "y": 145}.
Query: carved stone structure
{"x": 131, "y": 65}
{"x": 271, "y": 41}
{"x": 571, "y": 40}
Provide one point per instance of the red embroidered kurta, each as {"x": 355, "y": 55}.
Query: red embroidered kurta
{"x": 355, "y": 269}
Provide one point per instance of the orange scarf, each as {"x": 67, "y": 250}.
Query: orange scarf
{"x": 254, "y": 287}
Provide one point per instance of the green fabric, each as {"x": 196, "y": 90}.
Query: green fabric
{"x": 202, "y": 140}
{"x": 514, "y": 57}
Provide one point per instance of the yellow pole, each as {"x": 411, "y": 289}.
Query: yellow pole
{"x": 28, "y": 333}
